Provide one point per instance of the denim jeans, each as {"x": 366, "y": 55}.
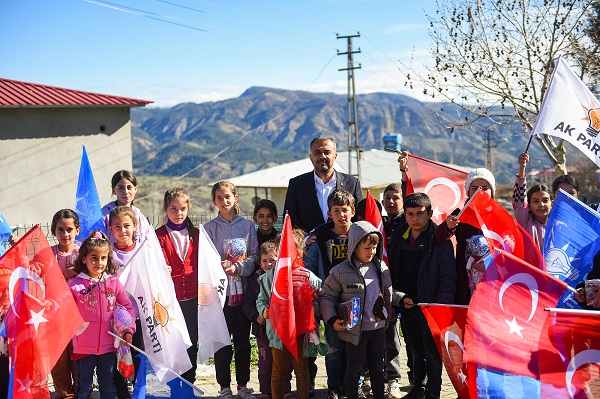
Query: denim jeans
{"x": 335, "y": 360}
{"x": 104, "y": 366}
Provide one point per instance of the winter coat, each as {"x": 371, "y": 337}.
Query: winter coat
{"x": 346, "y": 282}
{"x": 97, "y": 301}
{"x": 249, "y": 304}
{"x": 436, "y": 280}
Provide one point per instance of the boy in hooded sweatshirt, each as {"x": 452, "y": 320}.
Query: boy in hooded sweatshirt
{"x": 365, "y": 276}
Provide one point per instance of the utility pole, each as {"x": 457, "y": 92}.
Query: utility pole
{"x": 353, "y": 143}
{"x": 491, "y": 142}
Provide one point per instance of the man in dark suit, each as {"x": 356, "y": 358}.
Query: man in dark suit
{"x": 306, "y": 198}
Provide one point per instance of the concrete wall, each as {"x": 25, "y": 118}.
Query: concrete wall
{"x": 40, "y": 154}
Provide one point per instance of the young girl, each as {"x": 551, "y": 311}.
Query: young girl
{"x": 65, "y": 227}
{"x": 267, "y": 259}
{"x": 282, "y": 357}
{"x": 179, "y": 242}
{"x": 122, "y": 225}
{"x": 235, "y": 239}
{"x": 97, "y": 292}
{"x": 265, "y": 216}
{"x": 124, "y": 187}
{"x": 532, "y": 215}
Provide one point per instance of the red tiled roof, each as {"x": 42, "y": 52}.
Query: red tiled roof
{"x": 14, "y": 93}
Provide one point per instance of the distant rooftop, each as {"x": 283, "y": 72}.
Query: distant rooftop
{"x": 378, "y": 169}
{"x": 17, "y": 94}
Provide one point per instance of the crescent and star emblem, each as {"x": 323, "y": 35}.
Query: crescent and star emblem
{"x": 282, "y": 263}
{"x": 22, "y": 273}
{"x": 450, "y": 336}
{"x": 444, "y": 181}
{"x": 589, "y": 356}
{"x": 532, "y": 285}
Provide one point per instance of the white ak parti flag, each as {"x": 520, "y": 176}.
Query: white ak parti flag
{"x": 212, "y": 290}
{"x": 166, "y": 338}
{"x": 570, "y": 111}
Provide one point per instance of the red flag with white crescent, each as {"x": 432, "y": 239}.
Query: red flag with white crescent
{"x": 570, "y": 354}
{"x": 281, "y": 308}
{"x": 373, "y": 216}
{"x": 500, "y": 229}
{"x": 444, "y": 185}
{"x": 447, "y": 324}
{"x": 506, "y": 316}
{"x": 41, "y": 316}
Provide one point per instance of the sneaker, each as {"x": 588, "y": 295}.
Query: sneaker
{"x": 415, "y": 393}
{"x": 332, "y": 395}
{"x": 245, "y": 393}
{"x": 225, "y": 393}
{"x": 366, "y": 386}
{"x": 393, "y": 391}
{"x": 361, "y": 394}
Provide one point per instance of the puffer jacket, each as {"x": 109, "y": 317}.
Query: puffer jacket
{"x": 97, "y": 301}
{"x": 346, "y": 282}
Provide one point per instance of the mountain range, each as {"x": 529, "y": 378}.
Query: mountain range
{"x": 265, "y": 126}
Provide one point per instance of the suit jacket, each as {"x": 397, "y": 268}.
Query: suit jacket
{"x": 301, "y": 201}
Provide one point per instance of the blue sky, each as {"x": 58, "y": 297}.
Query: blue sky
{"x": 173, "y": 51}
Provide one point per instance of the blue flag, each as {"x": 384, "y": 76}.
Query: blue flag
{"x": 571, "y": 241}
{"x": 498, "y": 385}
{"x": 5, "y": 233}
{"x": 139, "y": 389}
{"x": 87, "y": 201}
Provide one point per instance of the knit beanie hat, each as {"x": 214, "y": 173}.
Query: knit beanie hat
{"x": 481, "y": 173}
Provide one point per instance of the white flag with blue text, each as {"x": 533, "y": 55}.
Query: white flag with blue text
{"x": 212, "y": 290}
{"x": 571, "y": 112}
{"x": 166, "y": 337}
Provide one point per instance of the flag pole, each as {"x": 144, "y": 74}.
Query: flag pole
{"x": 467, "y": 204}
{"x": 574, "y": 311}
{"x": 200, "y": 391}
{"x": 529, "y": 142}
{"x": 441, "y": 304}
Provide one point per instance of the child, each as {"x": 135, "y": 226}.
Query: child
{"x": 365, "y": 276}
{"x": 179, "y": 242}
{"x": 65, "y": 227}
{"x": 281, "y": 356}
{"x": 122, "y": 225}
{"x": 427, "y": 273}
{"x": 533, "y": 216}
{"x": 235, "y": 239}
{"x": 265, "y": 216}
{"x": 268, "y": 257}
{"x": 97, "y": 292}
{"x": 477, "y": 178}
{"x": 329, "y": 249}
{"x": 392, "y": 201}
{"x": 567, "y": 183}
{"x": 124, "y": 187}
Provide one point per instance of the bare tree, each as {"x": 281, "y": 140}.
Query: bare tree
{"x": 494, "y": 58}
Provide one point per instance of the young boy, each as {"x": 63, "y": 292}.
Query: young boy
{"x": 427, "y": 273}
{"x": 361, "y": 275}
{"x": 330, "y": 249}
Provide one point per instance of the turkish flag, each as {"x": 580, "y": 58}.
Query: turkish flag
{"x": 444, "y": 185}
{"x": 281, "y": 307}
{"x": 447, "y": 324}
{"x": 41, "y": 314}
{"x": 570, "y": 355}
{"x": 373, "y": 216}
{"x": 506, "y": 316}
{"x": 500, "y": 229}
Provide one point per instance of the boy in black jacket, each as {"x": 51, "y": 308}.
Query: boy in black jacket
{"x": 426, "y": 273}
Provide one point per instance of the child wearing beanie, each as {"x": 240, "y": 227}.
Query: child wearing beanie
{"x": 477, "y": 178}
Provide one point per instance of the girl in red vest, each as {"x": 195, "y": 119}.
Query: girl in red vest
{"x": 179, "y": 242}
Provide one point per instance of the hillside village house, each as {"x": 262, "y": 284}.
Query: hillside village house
{"x": 42, "y": 130}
